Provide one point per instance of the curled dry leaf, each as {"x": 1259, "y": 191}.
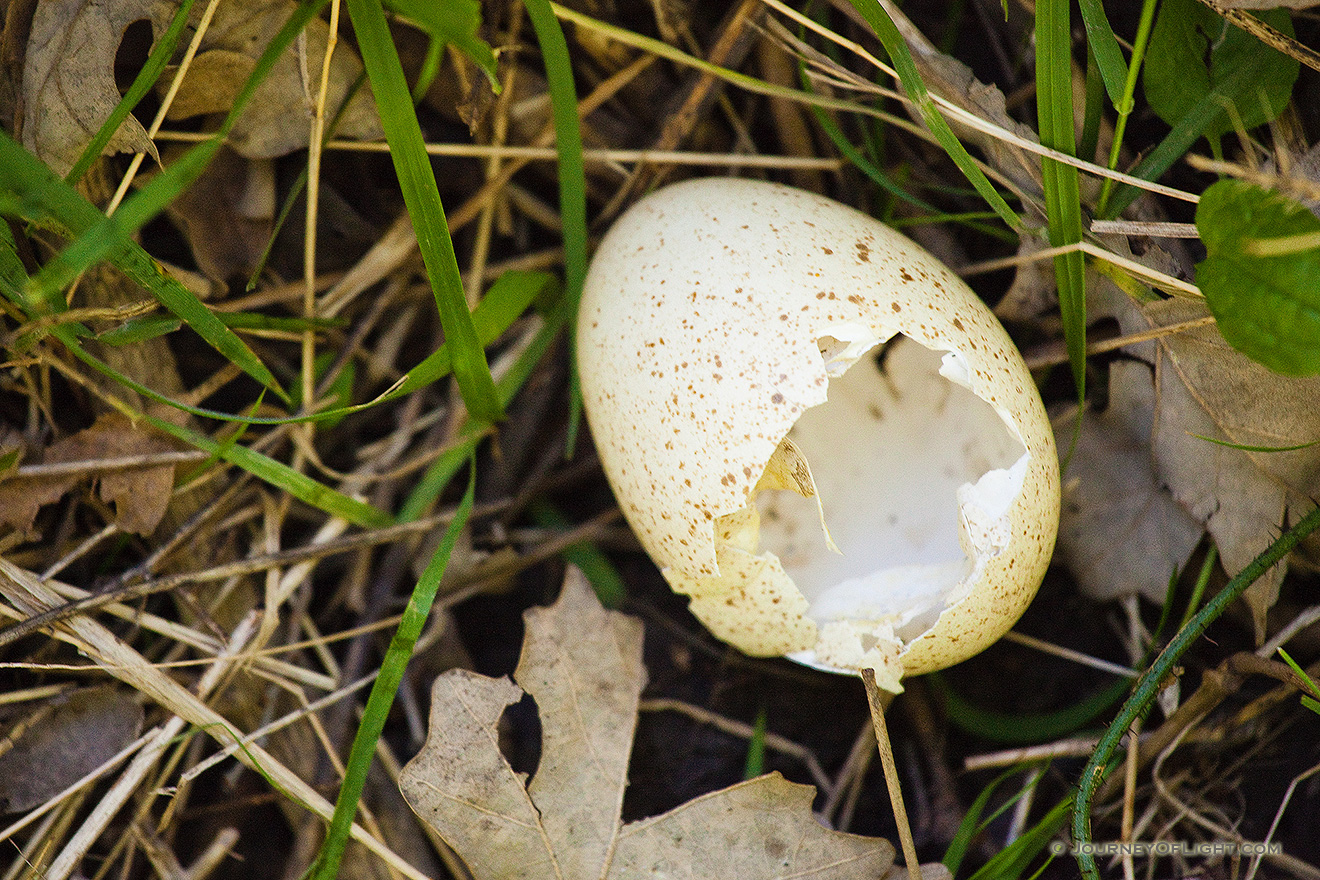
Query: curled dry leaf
{"x": 583, "y": 666}
{"x": 277, "y": 120}
{"x": 140, "y": 494}
{"x": 69, "y": 79}
{"x": 1113, "y": 500}
{"x": 69, "y": 85}
{"x": 1204, "y": 388}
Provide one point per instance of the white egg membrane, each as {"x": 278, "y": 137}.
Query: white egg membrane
{"x": 915, "y": 475}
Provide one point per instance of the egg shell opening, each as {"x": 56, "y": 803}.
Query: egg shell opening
{"x": 715, "y": 314}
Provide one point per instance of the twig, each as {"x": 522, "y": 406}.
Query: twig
{"x": 876, "y": 700}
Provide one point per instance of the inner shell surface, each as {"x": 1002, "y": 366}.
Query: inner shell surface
{"x": 890, "y": 452}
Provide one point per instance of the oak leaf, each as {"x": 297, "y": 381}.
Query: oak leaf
{"x": 583, "y": 667}
{"x": 69, "y": 79}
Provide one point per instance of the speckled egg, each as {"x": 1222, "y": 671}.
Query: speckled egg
{"x": 817, "y": 492}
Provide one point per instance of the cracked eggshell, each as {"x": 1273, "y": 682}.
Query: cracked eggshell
{"x": 717, "y": 317}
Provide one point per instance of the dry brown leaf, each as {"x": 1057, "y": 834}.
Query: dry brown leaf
{"x": 228, "y": 214}
{"x": 583, "y": 666}
{"x": 277, "y": 120}
{"x": 68, "y": 76}
{"x": 1206, "y": 388}
{"x": 1112, "y": 500}
{"x": 55, "y": 746}
{"x": 140, "y": 494}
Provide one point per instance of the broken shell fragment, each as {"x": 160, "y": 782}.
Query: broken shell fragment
{"x": 749, "y": 420}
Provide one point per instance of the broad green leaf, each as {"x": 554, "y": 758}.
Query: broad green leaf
{"x": 452, "y": 22}
{"x": 422, "y": 197}
{"x": 1261, "y": 274}
{"x": 1193, "y": 50}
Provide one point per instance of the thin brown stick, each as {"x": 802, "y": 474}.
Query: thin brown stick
{"x": 876, "y": 701}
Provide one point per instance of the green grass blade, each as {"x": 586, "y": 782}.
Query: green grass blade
{"x": 1012, "y": 861}
{"x": 13, "y": 275}
{"x": 422, "y": 197}
{"x": 47, "y": 198}
{"x": 1025, "y": 728}
{"x": 456, "y": 22}
{"x": 142, "y": 83}
{"x": 281, "y": 476}
{"x": 506, "y": 300}
{"x": 386, "y": 687}
{"x": 915, "y": 87}
{"x": 261, "y": 466}
{"x": 442, "y": 471}
{"x": 1063, "y": 202}
{"x": 493, "y": 315}
{"x": 44, "y": 198}
{"x": 1125, "y": 105}
{"x": 754, "y": 766}
{"x": 1103, "y": 44}
{"x": 971, "y": 824}
{"x": 572, "y": 175}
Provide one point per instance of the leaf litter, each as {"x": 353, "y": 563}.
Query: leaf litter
{"x": 69, "y": 86}
{"x": 140, "y": 494}
{"x": 583, "y": 666}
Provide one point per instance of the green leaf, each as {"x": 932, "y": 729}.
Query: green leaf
{"x": 1262, "y": 284}
{"x": 422, "y": 197}
{"x": 1193, "y": 51}
{"x": 452, "y": 22}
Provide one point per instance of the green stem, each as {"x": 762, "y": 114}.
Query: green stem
{"x": 1152, "y": 682}
{"x": 1124, "y": 107}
